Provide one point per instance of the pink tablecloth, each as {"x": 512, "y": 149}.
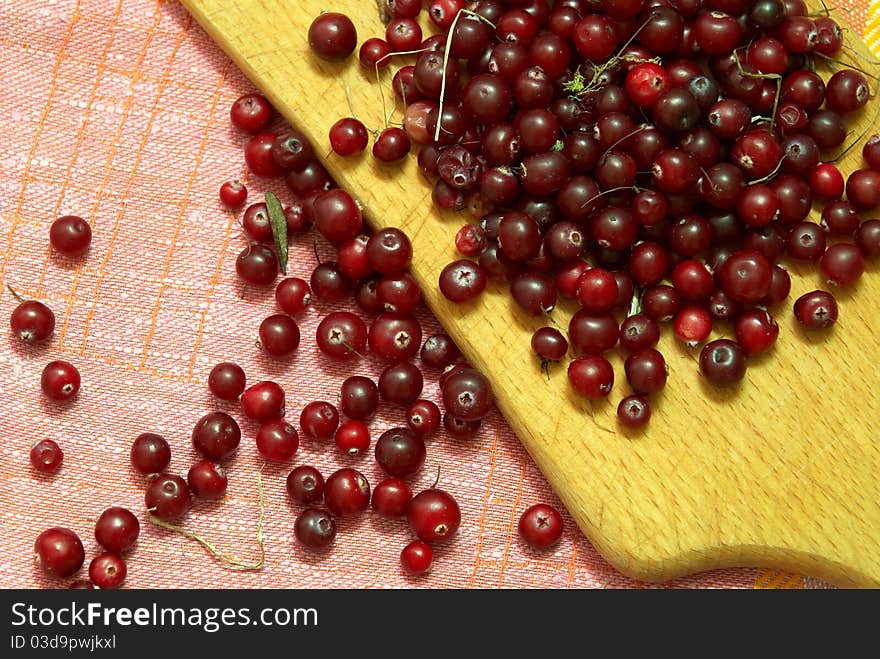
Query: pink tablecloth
{"x": 118, "y": 111}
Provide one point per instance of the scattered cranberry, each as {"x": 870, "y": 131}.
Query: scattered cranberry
{"x": 257, "y": 265}
{"x": 117, "y": 529}
{"x": 467, "y": 395}
{"x": 233, "y": 193}
{"x": 347, "y": 492}
{"x": 541, "y": 526}
{"x": 293, "y": 295}
{"x": 400, "y": 383}
{"x": 216, "y": 436}
{"x": 59, "y": 552}
{"x": 352, "y": 437}
{"x": 305, "y": 485}
{"x": 46, "y": 456}
{"x": 416, "y": 557}
{"x": 723, "y": 362}
{"x": 32, "y": 321}
{"x": 423, "y": 417}
{"x": 314, "y": 528}
{"x": 400, "y": 452}
{"x": 359, "y": 397}
{"x": 816, "y": 310}
{"x": 70, "y": 235}
{"x": 251, "y": 113}
{"x": 391, "y": 497}
{"x": 348, "y": 137}
{"x": 60, "y": 380}
{"x": 591, "y": 376}
{"x": 167, "y": 497}
{"x": 756, "y": 331}
{"x": 434, "y": 515}
{"x": 319, "y": 420}
{"x": 332, "y": 36}
{"x": 439, "y": 351}
{"x": 107, "y": 570}
{"x": 263, "y": 401}
{"x": 277, "y": 440}
{"x": 342, "y": 335}
{"x": 634, "y": 411}
{"x": 227, "y": 381}
{"x": 258, "y": 154}
{"x": 150, "y": 453}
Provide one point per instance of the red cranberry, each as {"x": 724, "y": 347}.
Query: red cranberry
{"x": 416, "y": 557}
{"x": 423, "y": 417}
{"x": 258, "y": 154}
{"x": 263, "y": 401}
{"x": 279, "y": 336}
{"x": 342, "y": 335}
{"x": 70, "y": 236}
{"x": 746, "y": 276}
{"x": 305, "y": 485}
{"x": 634, "y": 411}
{"x": 207, "y": 480}
{"x": 693, "y": 325}
{"x": 395, "y": 337}
{"x": 723, "y": 362}
{"x": 467, "y": 395}
{"x": 107, "y": 570}
{"x": 257, "y": 265}
{"x": 434, "y": 515}
{"x": 292, "y": 151}
{"x": 391, "y": 497}
{"x": 314, "y": 528}
{"x": 591, "y": 376}
{"x": 332, "y": 36}
{"x": 117, "y": 529}
{"x": 359, "y": 397}
{"x": 842, "y": 264}
{"x": 150, "y": 453}
{"x": 167, "y": 497}
{"x": 60, "y": 380}
{"x": 59, "y": 552}
{"x": 816, "y": 310}
{"x": 347, "y": 492}
{"x": 541, "y": 526}
{"x": 756, "y": 331}
{"x": 319, "y": 420}
{"x": 233, "y": 193}
{"x": 348, "y": 136}
{"x": 227, "y": 381}
{"x": 277, "y": 440}
{"x": 462, "y": 281}
{"x": 352, "y": 437}
{"x": 251, "y": 113}
{"x": 400, "y": 452}
{"x": 216, "y": 436}
{"x": 46, "y": 456}
{"x": 401, "y": 383}
{"x": 32, "y": 321}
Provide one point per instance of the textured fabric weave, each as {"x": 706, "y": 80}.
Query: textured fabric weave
{"x": 117, "y": 110}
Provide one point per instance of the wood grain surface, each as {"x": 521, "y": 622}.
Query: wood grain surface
{"x": 782, "y": 471}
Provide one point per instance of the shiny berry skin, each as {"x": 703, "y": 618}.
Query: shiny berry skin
{"x": 863, "y": 189}
{"x": 391, "y": 497}
{"x": 595, "y": 37}
{"x": 279, "y": 336}
{"x": 291, "y": 151}
{"x": 756, "y": 331}
{"x": 692, "y": 280}
{"x": 467, "y": 395}
{"x": 633, "y": 411}
{"x": 251, "y": 113}
{"x": 32, "y": 321}
{"x": 347, "y": 492}
{"x": 389, "y": 251}
{"x": 257, "y": 265}
{"x": 645, "y": 82}
{"x": 723, "y": 362}
{"x": 400, "y": 383}
{"x": 395, "y": 337}
{"x": 337, "y": 216}
{"x": 107, "y": 571}
{"x": 746, "y": 276}
{"x": 871, "y": 152}
{"x": 59, "y": 552}
{"x": 434, "y": 515}
{"x": 638, "y": 332}
{"x": 842, "y": 264}
{"x": 597, "y": 290}
{"x": 263, "y": 401}
{"x": 233, "y": 193}
{"x": 816, "y": 310}
{"x": 150, "y": 453}
{"x": 60, "y": 380}
{"x": 293, "y": 295}
{"x": 591, "y": 376}
{"x": 46, "y": 456}
{"x": 846, "y": 91}
{"x": 400, "y": 452}
{"x": 359, "y": 397}
{"x": 255, "y": 223}
{"x": 319, "y": 420}
{"x": 416, "y": 557}
{"x": 227, "y": 381}
{"x": 868, "y": 238}
{"x": 167, "y": 497}
{"x": 117, "y": 529}
{"x": 328, "y": 283}
{"x": 661, "y": 302}
{"x": 207, "y": 480}
{"x": 458, "y": 428}
{"x": 314, "y": 528}
{"x": 423, "y": 417}
{"x": 391, "y": 145}
{"x": 692, "y": 325}
{"x": 332, "y": 36}
{"x": 827, "y": 182}
{"x": 352, "y": 437}
{"x": 216, "y": 436}
{"x": 646, "y": 371}
{"x": 541, "y": 526}
{"x": 277, "y": 440}
{"x": 342, "y": 335}
{"x": 374, "y": 54}
{"x": 258, "y": 155}
{"x": 399, "y": 293}
{"x": 462, "y": 281}
{"x": 439, "y": 351}
{"x": 348, "y": 136}
{"x": 549, "y": 344}
{"x": 70, "y": 236}
{"x": 305, "y": 485}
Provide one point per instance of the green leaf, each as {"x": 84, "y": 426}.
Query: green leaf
{"x": 279, "y": 228}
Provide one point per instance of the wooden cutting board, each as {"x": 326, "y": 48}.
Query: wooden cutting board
{"x": 782, "y": 472}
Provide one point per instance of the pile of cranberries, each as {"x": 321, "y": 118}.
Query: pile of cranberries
{"x": 653, "y": 160}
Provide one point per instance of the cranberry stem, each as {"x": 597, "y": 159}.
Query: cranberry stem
{"x": 232, "y": 562}
{"x": 14, "y": 294}
{"x": 859, "y": 139}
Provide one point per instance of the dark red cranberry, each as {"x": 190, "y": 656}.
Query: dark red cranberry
{"x": 591, "y": 376}
{"x": 342, "y": 335}
{"x": 216, "y": 436}
{"x": 291, "y": 150}
{"x": 332, "y": 36}
{"x": 207, "y": 480}
{"x": 359, "y": 397}
{"x": 439, "y": 351}
{"x": 423, "y": 417}
{"x": 633, "y": 411}
{"x": 395, "y": 337}
{"x": 400, "y": 452}
{"x": 842, "y": 264}
{"x": 746, "y": 276}
{"x": 70, "y": 236}
{"x": 863, "y": 189}
{"x": 816, "y": 310}
{"x": 150, "y": 453}
{"x": 59, "y": 552}
{"x": 692, "y": 325}
{"x": 46, "y": 456}
{"x": 227, "y": 381}
{"x": 32, "y": 321}
{"x": 756, "y": 331}
{"x": 346, "y": 492}
{"x": 319, "y": 420}
{"x": 541, "y": 526}
{"x": 391, "y": 497}
{"x": 462, "y": 281}
{"x": 305, "y": 485}
{"x": 277, "y": 440}
{"x": 167, "y": 497}
{"x": 400, "y": 383}
{"x": 279, "y": 336}
{"x": 257, "y": 265}
{"x": 867, "y": 237}
{"x": 258, "y": 154}
{"x": 646, "y": 371}
{"x": 251, "y": 113}
{"x": 117, "y": 529}
{"x": 723, "y": 362}
{"x": 60, "y": 380}
{"x": 434, "y": 516}
{"x": 263, "y": 401}
{"x": 314, "y": 528}
{"x": 107, "y": 571}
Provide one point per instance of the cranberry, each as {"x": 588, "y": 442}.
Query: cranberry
{"x": 827, "y": 182}
{"x": 634, "y": 411}
{"x": 233, "y": 193}
{"x": 117, "y": 529}
{"x": 693, "y": 325}
{"x": 305, "y": 485}
{"x": 263, "y": 401}
{"x": 591, "y": 376}
{"x": 332, "y": 36}
{"x": 342, "y": 335}
{"x": 150, "y": 453}
{"x": 352, "y": 437}
{"x": 251, "y": 113}
{"x": 723, "y": 362}
{"x": 391, "y": 497}
{"x": 60, "y": 380}
{"x": 846, "y": 91}
{"x": 279, "y": 336}
{"x": 439, "y": 351}
{"x": 255, "y": 223}
{"x": 541, "y": 526}
{"x": 389, "y": 251}
{"x": 549, "y": 345}
{"x": 661, "y": 302}
{"x": 416, "y": 557}
{"x": 746, "y": 276}
{"x": 400, "y": 452}
{"x": 227, "y": 381}
{"x": 347, "y": 492}
{"x": 863, "y": 189}
{"x": 46, "y": 456}
{"x": 434, "y": 515}
{"x": 107, "y": 570}
{"x": 595, "y": 37}
{"x": 597, "y": 290}
{"x": 258, "y": 154}
{"x": 391, "y": 145}
{"x": 319, "y": 420}
{"x": 871, "y": 152}
{"x": 467, "y": 395}
{"x": 395, "y": 337}
{"x": 328, "y": 283}
{"x": 842, "y": 264}
{"x": 401, "y": 383}
{"x": 70, "y": 236}
{"x": 314, "y": 528}
{"x": 462, "y": 281}
{"x": 423, "y": 417}
{"x": 167, "y": 497}
{"x": 459, "y": 428}
{"x": 277, "y": 440}
{"x": 32, "y": 321}
{"x": 756, "y": 331}
{"x": 816, "y": 310}
{"x": 646, "y": 371}
{"x": 348, "y": 136}
{"x": 257, "y": 265}
{"x": 207, "y": 480}
{"x": 216, "y": 436}
{"x": 337, "y": 216}
{"x": 868, "y": 238}
{"x": 59, "y": 552}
